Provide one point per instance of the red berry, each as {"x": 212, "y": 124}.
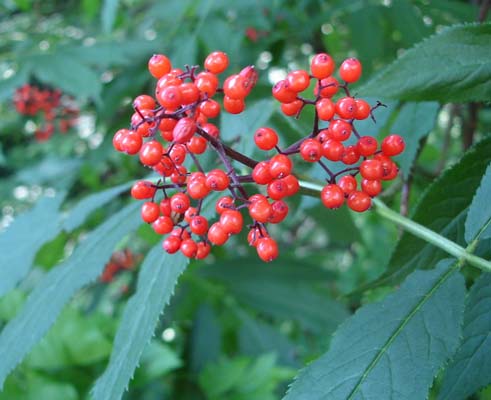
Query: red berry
{"x": 197, "y": 188}
{"x": 261, "y": 174}
{"x": 207, "y": 82}
{"x": 224, "y": 203}
{"x": 235, "y": 87}
{"x": 159, "y": 65}
{"x": 170, "y": 97}
{"x": 197, "y": 145}
{"x": 151, "y": 153}
{"x": 216, "y": 62}
{"x": 198, "y": 225}
{"x": 292, "y": 184}
{"x": 144, "y": 102}
{"x": 217, "y": 180}
{"x": 150, "y": 211}
{"x": 210, "y": 108}
{"x": 165, "y": 207}
{"x": 372, "y": 188}
{"x": 279, "y": 211}
{"x": 267, "y": 249}
{"x": 190, "y": 213}
{"x": 143, "y": 190}
{"x": 347, "y": 184}
{"x": 184, "y": 130}
{"x": 251, "y": 76}
{"x": 203, "y": 250}
{"x": 171, "y": 244}
{"x": 231, "y": 221}
{"x": 371, "y": 169}
{"x": 189, "y": 93}
{"x": 332, "y": 196}
{"x": 189, "y": 248}
{"x": 179, "y": 203}
{"x": 260, "y": 210}
{"x": 217, "y": 234}
{"x": 346, "y": 107}
{"x": 131, "y": 143}
{"x": 311, "y": 150}
{"x": 362, "y": 109}
{"x": 322, "y": 65}
{"x": 118, "y": 139}
{"x": 280, "y": 165}
{"x": 333, "y": 150}
{"x": 350, "y": 70}
{"x": 283, "y": 92}
{"x": 327, "y": 87}
{"x": 293, "y": 108}
{"x": 163, "y": 225}
{"x": 325, "y": 109}
{"x": 359, "y": 201}
{"x": 351, "y": 155}
{"x": 277, "y": 189}
{"x": 393, "y": 145}
{"x": 367, "y": 146}
{"x": 233, "y": 106}
{"x": 266, "y": 138}
{"x": 339, "y": 130}
{"x": 298, "y": 80}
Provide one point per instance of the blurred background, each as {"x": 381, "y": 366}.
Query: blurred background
{"x": 236, "y": 327}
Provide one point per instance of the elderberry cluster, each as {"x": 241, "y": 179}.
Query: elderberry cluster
{"x": 332, "y": 130}
{"x": 171, "y": 130}
{"x": 51, "y": 105}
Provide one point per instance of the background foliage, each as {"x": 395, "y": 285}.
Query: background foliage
{"x": 347, "y": 290}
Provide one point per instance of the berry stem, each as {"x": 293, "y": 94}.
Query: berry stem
{"x": 418, "y": 230}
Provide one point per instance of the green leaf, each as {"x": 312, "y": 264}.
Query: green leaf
{"x": 37, "y": 386}
{"x": 156, "y": 281}
{"x": 240, "y": 128}
{"x": 66, "y": 73}
{"x": 391, "y": 349}
{"x": 480, "y": 211}
{"x": 206, "y": 338}
{"x": 414, "y": 121}
{"x": 470, "y": 369}
{"x": 257, "y": 337}
{"x": 108, "y": 16}
{"x": 57, "y": 287}
{"x": 156, "y": 360}
{"x": 24, "y": 238}
{"x": 75, "y": 339}
{"x": 77, "y": 215}
{"x": 451, "y": 66}
{"x": 442, "y": 208}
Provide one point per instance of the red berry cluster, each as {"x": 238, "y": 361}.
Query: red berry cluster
{"x": 172, "y": 129}
{"x": 120, "y": 261}
{"x": 51, "y": 104}
{"x": 337, "y": 140}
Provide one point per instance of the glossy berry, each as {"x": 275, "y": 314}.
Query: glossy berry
{"x": 311, "y": 150}
{"x": 322, "y": 65}
{"x": 372, "y": 188}
{"x": 267, "y": 249}
{"x": 184, "y": 130}
{"x": 371, "y": 169}
{"x": 346, "y": 107}
{"x": 280, "y": 165}
{"x": 333, "y": 150}
{"x": 217, "y": 235}
{"x": 159, "y": 65}
{"x": 298, "y": 80}
{"x": 350, "y": 70}
{"x": 362, "y": 109}
{"x": 366, "y": 146}
{"x": 283, "y": 92}
{"x": 231, "y": 221}
{"x": 216, "y": 62}
{"x": 332, "y": 196}
{"x": 198, "y": 225}
{"x": 359, "y": 201}
{"x": 325, "y": 109}
{"x": 347, "y": 184}
{"x": 261, "y": 174}
{"x": 179, "y": 203}
{"x": 151, "y": 153}
{"x": 143, "y": 190}
{"x": 339, "y": 130}
{"x": 260, "y": 210}
{"x": 150, "y": 211}
{"x": 189, "y": 248}
{"x": 171, "y": 244}
{"x": 393, "y": 145}
{"x": 217, "y": 180}
{"x": 266, "y": 138}
{"x": 163, "y": 225}
{"x": 293, "y": 108}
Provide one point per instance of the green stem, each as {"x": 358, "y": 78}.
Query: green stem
{"x": 416, "y": 229}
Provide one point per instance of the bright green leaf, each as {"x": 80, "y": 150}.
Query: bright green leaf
{"x": 470, "y": 369}
{"x": 451, "y": 66}
{"x": 24, "y": 238}
{"x": 414, "y": 121}
{"x": 57, "y": 287}
{"x": 156, "y": 281}
{"x": 394, "y": 348}
{"x": 479, "y": 215}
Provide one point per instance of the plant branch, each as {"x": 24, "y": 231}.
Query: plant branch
{"x": 416, "y": 229}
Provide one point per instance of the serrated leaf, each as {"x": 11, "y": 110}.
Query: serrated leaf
{"x": 394, "y": 348}
{"x": 24, "y": 238}
{"x": 77, "y": 215}
{"x": 451, "y": 66}
{"x": 108, "y": 14}
{"x": 479, "y": 214}
{"x": 156, "y": 281}
{"x": 442, "y": 208}
{"x": 470, "y": 369}
{"x": 57, "y": 287}
{"x": 414, "y": 121}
